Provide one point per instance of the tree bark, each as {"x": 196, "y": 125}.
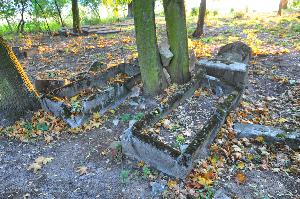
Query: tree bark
{"x": 282, "y": 5}
{"x": 43, "y": 14}
{"x": 17, "y": 94}
{"x": 149, "y": 59}
{"x": 200, "y": 24}
{"x": 177, "y": 36}
{"x": 59, "y": 13}
{"x": 20, "y": 27}
{"x": 8, "y": 23}
{"x": 130, "y": 10}
{"x": 76, "y": 17}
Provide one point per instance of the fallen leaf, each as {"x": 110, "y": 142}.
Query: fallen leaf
{"x": 82, "y": 170}
{"x": 172, "y": 184}
{"x": 35, "y": 167}
{"x": 240, "y": 178}
{"x": 260, "y": 139}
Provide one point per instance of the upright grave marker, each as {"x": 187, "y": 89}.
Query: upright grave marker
{"x": 17, "y": 94}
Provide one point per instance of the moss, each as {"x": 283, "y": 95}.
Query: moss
{"x": 18, "y": 66}
{"x": 149, "y": 58}
{"x": 177, "y": 35}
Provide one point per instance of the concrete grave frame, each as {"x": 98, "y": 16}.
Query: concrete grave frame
{"x": 166, "y": 158}
{"x": 108, "y": 97}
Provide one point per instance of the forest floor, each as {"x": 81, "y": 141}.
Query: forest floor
{"x": 59, "y": 162}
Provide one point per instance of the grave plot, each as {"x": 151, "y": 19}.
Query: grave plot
{"x": 101, "y": 30}
{"x": 94, "y": 91}
{"x": 173, "y": 135}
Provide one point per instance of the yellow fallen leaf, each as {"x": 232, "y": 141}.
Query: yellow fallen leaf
{"x": 241, "y": 165}
{"x": 260, "y": 139}
{"x": 82, "y": 170}
{"x": 240, "y": 178}
{"x": 204, "y": 182}
{"x": 172, "y": 184}
{"x": 282, "y": 120}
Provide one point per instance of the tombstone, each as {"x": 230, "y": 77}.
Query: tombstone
{"x": 235, "y": 52}
{"x": 17, "y": 94}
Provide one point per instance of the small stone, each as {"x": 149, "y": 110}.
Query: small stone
{"x": 116, "y": 122}
{"x": 157, "y": 188}
{"x": 221, "y": 194}
{"x": 165, "y": 53}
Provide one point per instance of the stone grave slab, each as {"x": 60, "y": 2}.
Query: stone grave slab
{"x": 271, "y": 134}
{"x": 94, "y": 92}
{"x": 173, "y": 149}
{"x": 175, "y": 156}
{"x": 17, "y": 94}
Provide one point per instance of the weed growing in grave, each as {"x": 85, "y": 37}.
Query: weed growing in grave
{"x": 124, "y": 176}
{"x": 127, "y": 117}
{"x": 146, "y": 171}
{"x": 206, "y": 193}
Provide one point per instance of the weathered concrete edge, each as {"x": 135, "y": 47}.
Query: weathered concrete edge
{"x": 291, "y": 139}
{"x": 163, "y": 159}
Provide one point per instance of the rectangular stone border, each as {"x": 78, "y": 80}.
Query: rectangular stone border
{"x": 165, "y": 158}
{"x": 100, "y": 102}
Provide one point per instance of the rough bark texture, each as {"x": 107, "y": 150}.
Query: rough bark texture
{"x": 200, "y": 24}
{"x": 59, "y": 13}
{"x": 177, "y": 36}
{"x": 130, "y": 10}
{"x": 17, "y": 94}
{"x": 149, "y": 59}
{"x": 282, "y": 5}
{"x": 21, "y": 24}
{"x": 76, "y": 18}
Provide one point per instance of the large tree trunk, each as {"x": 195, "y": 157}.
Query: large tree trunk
{"x": 149, "y": 58}
{"x": 130, "y": 10}
{"x": 17, "y": 94}
{"x": 200, "y": 24}
{"x": 76, "y": 18}
{"x": 177, "y": 36}
{"x": 282, "y": 5}
{"x": 59, "y": 13}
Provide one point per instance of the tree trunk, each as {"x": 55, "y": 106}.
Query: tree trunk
{"x": 200, "y": 24}
{"x": 17, "y": 94}
{"x": 20, "y": 28}
{"x": 76, "y": 18}
{"x": 149, "y": 58}
{"x": 285, "y": 4}
{"x": 177, "y": 36}
{"x": 130, "y": 10}
{"x": 59, "y": 13}
{"x": 43, "y": 14}
{"x": 8, "y": 23}
{"x": 282, "y": 5}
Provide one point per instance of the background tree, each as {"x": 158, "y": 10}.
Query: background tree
{"x": 130, "y": 10}
{"x": 93, "y": 5}
{"x": 76, "y": 17}
{"x": 149, "y": 58}
{"x": 175, "y": 16}
{"x": 7, "y": 10}
{"x": 200, "y": 24}
{"x": 282, "y": 5}
{"x": 22, "y": 5}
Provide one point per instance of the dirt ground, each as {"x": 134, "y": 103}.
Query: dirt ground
{"x": 274, "y": 81}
